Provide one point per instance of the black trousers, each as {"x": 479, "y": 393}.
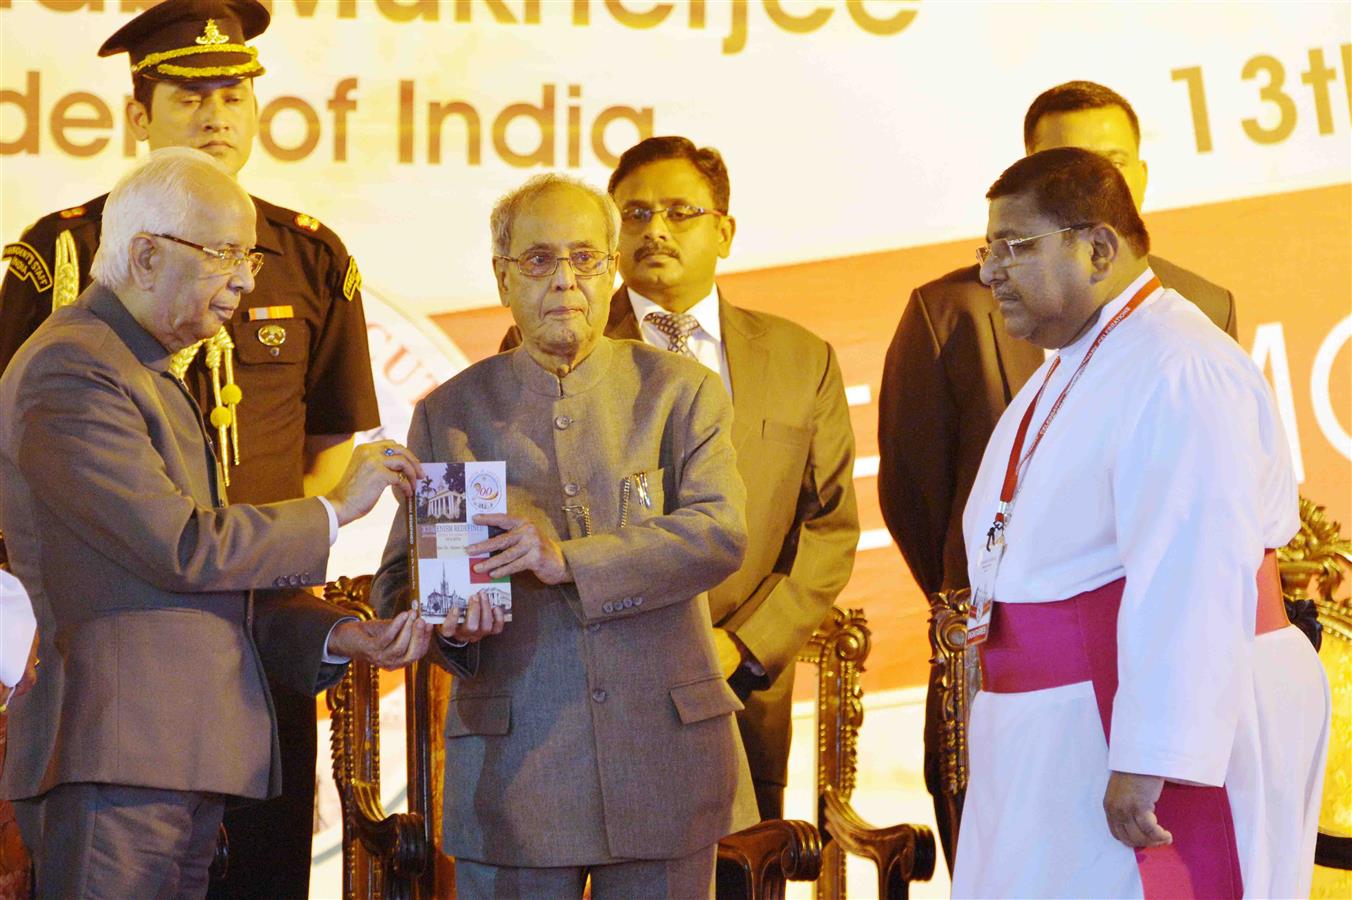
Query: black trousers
{"x": 270, "y": 841}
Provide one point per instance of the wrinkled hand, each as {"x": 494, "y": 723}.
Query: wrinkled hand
{"x": 1129, "y": 804}
{"x": 729, "y": 652}
{"x": 372, "y": 468}
{"x": 387, "y": 643}
{"x": 481, "y": 619}
{"x": 521, "y": 548}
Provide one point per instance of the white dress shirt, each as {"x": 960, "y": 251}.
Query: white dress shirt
{"x": 706, "y": 342}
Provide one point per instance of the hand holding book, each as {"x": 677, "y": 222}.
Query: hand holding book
{"x": 521, "y": 547}
{"x": 482, "y": 618}
{"x": 373, "y": 467}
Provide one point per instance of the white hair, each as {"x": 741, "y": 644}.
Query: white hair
{"x": 156, "y": 197}
{"x": 504, "y": 212}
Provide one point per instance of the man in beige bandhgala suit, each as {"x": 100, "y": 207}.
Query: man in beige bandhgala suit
{"x": 594, "y": 733}
{"x": 151, "y": 706}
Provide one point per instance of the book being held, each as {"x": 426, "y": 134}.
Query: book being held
{"x": 441, "y": 525}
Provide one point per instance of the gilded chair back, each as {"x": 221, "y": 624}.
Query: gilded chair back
{"x": 1312, "y": 567}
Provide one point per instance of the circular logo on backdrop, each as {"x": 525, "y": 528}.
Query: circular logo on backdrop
{"x": 484, "y": 492}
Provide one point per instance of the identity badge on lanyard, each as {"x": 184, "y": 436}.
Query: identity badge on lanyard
{"x": 988, "y": 565}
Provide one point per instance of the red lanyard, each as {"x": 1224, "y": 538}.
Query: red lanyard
{"x": 1017, "y": 462}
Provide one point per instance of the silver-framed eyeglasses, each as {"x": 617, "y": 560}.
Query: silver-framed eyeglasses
{"x": 679, "y": 216}
{"x": 1002, "y": 250}
{"x": 542, "y": 263}
{"x": 222, "y": 261}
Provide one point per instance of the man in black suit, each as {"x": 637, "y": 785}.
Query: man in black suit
{"x": 952, "y": 369}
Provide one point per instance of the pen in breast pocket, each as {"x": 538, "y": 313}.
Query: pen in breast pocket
{"x": 643, "y": 494}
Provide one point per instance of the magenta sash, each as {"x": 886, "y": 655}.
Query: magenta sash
{"x": 1033, "y": 646}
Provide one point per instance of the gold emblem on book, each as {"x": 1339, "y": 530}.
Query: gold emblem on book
{"x": 212, "y": 35}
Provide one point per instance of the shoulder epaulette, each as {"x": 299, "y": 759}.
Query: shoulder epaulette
{"x": 301, "y": 223}
{"x": 47, "y": 251}
{"x": 72, "y": 217}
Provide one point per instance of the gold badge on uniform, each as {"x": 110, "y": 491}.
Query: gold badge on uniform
{"x": 27, "y": 264}
{"x": 73, "y": 213}
{"x": 272, "y": 335}
{"x": 351, "y": 281}
{"x": 309, "y": 223}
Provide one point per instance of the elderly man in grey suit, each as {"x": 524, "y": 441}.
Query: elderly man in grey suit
{"x": 790, "y": 427}
{"x": 594, "y": 733}
{"x": 152, "y": 708}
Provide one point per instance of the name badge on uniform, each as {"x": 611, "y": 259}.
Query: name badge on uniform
{"x": 983, "y": 594}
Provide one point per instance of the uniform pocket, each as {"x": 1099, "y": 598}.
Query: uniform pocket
{"x": 478, "y": 715}
{"x": 272, "y": 341}
{"x": 699, "y": 700}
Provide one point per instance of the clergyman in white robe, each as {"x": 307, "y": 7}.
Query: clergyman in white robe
{"x": 1167, "y": 466}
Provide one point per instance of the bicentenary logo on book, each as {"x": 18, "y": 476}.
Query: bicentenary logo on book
{"x": 441, "y": 528}
{"x": 485, "y": 492}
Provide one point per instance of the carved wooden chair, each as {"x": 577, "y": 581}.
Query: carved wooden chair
{"x": 1317, "y": 553}
{"x": 902, "y": 853}
{"x": 397, "y": 856}
{"x": 383, "y": 855}
{"x": 1320, "y": 555}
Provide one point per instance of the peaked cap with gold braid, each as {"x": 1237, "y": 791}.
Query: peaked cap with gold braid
{"x": 192, "y": 40}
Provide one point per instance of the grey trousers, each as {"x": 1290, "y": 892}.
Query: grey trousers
{"x": 101, "y": 840}
{"x": 686, "y": 878}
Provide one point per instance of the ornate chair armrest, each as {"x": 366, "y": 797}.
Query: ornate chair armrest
{"x": 769, "y": 853}
{"x": 383, "y": 855}
{"x": 397, "y": 840}
{"x": 903, "y": 853}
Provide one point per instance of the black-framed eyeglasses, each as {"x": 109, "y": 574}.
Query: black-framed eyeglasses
{"x": 1002, "y": 250}
{"x": 542, "y": 263}
{"x": 223, "y": 261}
{"x": 679, "y": 216}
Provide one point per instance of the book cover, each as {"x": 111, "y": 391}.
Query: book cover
{"x": 441, "y": 525}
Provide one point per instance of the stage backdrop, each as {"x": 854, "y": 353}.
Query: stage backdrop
{"x": 860, "y": 134}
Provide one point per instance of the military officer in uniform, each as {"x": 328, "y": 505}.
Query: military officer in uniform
{"x": 285, "y": 384}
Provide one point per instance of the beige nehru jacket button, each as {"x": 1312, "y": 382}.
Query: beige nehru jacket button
{"x": 562, "y": 422}
{"x": 571, "y": 489}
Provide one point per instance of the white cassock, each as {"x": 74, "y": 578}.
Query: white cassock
{"x": 1166, "y": 465}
